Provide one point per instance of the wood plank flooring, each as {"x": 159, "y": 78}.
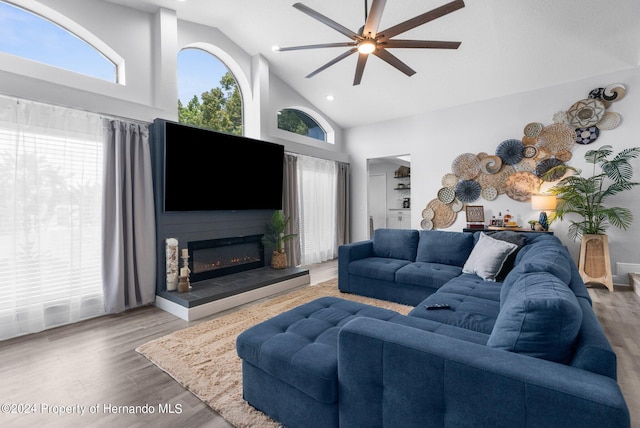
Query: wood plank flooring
{"x": 94, "y": 364}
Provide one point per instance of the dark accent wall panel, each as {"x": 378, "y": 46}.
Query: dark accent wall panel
{"x": 196, "y": 226}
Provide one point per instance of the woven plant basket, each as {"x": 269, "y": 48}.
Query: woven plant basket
{"x": 278, "y": 260}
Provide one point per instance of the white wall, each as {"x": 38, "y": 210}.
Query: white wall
{"x": 434, "y": 140}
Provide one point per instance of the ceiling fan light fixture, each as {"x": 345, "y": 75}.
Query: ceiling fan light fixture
{"x": 367, "y": 46}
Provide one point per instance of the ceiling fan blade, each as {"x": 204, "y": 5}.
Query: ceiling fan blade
{"x": 362, "y": 61}
{"x": 333, "y": 61}
{"x": 420, "y": 44}
{"x": 373, "y": 21}
{"x": 421, "y": 19}
{"x": 324, "y": 45}
{"x": 384, "y": 55}
{"x": 327, "y": 21}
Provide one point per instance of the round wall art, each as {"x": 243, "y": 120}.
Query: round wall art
{"x": 587, "y": 135}
{"x": 468, "y": 191}
{"x": 466, "y": 166}
{"x": 510, "y": 151}
{"x": 585, "y": 112}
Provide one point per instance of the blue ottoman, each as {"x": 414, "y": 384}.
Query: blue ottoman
{"x": 289, "y": 362}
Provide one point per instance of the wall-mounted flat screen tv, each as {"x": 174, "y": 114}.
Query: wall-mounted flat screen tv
{"x": 206, "y": 170}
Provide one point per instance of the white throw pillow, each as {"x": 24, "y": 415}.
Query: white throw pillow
{"x": 487, "y": 257}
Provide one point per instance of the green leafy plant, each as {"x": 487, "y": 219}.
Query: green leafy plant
{"x": 275, "y": 236}
{"x": 585, "y": 196}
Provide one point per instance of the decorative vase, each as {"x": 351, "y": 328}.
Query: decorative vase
{"x": 279, "y": 260}
{"x": 594, "y": 264}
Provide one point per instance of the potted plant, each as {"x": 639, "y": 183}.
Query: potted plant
{"x": 275, "y": 238}
{"x": 585, "y": 198}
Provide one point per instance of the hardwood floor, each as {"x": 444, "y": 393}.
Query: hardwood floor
{"x": 93, "y": 364}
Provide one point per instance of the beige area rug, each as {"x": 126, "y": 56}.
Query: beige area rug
{"x": 203, "y": 358}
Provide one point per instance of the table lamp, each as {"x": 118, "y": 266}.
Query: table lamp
{"x": 543, "y": 203}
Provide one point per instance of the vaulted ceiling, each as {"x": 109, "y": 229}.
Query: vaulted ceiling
{"x": 508, "y": 46}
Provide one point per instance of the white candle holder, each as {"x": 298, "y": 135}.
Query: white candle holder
{"x": 184, "y": 284}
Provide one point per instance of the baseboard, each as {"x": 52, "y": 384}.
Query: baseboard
{"x": 210, "y": 308}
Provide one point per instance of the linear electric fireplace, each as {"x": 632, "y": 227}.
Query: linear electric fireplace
{"x": 212, "y": 258}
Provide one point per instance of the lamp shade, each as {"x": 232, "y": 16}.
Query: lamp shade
{"x": 543, "y": 202}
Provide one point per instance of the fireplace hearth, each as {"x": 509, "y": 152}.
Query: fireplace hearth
{"x": 213, "y": 258}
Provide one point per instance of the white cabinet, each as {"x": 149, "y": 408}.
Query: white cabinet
{"x": 399, "y": 219}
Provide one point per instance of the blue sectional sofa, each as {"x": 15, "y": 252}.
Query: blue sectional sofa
{"x": 517, "y": 344}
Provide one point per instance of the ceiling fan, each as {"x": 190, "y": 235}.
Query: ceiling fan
{"x": 368, "y": 40}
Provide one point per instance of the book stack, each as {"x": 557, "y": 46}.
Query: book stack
{"x": 475, "y": 225}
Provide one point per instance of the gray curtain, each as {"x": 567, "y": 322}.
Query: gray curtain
{"x": 128, "y": 227}
{"x": 290, "y": 208}
{"x": 343, "y": 214}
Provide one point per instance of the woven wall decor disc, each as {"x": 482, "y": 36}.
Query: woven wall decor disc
{"x": 610, "y": 120}
{"x": 530, "y": 151}
{"x": 533, "y": 129}
{"x": 560, "y": 117}
{"x": 482, "y": 155}
{"x": 456, "y": 205}
{"x": 489, "y": 193}
{"x": 546, "y": 165}
{"x": 556, "y": 137}
{"x": 614, "y": 92}
{"x": 446, "y": 195}
{"x": 564, "y": 155}
{"x": 542, "y": 154}
{"x": 510, "y": 151}
{"x": 526, "y": 165}
{"x": 426, "y": 224}
{"x": 521, "y": 185}
{"x": 597, "y": 94}
{"x": 450, "y": 180}
{"x": 443, "y": 216}
{"x": 585, "y": 112}
{"x": 491, "y": 164}
{"x": 427, "y": 213}
{"x": 529, "y": 141}
{"x": 497, "y": 180}
{"x": 466, "y": 166}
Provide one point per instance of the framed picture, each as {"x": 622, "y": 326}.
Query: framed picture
{"x": 475, "y": 213}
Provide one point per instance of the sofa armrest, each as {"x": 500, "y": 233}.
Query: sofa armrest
{"x": 394, "y": 375}
{"x": 348, "y": 253}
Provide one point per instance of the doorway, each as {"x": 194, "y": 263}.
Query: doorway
{"x": 389, "y": 193}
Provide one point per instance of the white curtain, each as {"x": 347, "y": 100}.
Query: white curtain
{"x": 50, "y": 216}
{"x": 317, "y": 195}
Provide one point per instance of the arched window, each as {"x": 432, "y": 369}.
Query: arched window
{"x": 301, "y": 123}
{"x": 39, "y": 36}
{"x": 208, "y": 93}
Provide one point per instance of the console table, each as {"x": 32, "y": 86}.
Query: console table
{"x": 515, "y": 229}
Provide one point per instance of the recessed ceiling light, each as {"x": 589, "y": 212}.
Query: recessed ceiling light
{"x": 330, "y": 98}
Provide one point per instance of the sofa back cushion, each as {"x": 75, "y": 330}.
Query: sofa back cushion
{"x": 540, "y": 317}
{"x": 447, "y": 248}
{"x": 396, "y": 243}
{"x": 543, "y": 256}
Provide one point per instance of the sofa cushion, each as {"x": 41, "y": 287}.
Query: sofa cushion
{"x": 432, "y": 275}
{"x": 488, "y": 257}
{"x": 448, "y": 248}
{"x": 541, "y": 318}
{"x": 473, "y": 304}
{"x": 381, "y": 268}
{"x": 396, "y": 243}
